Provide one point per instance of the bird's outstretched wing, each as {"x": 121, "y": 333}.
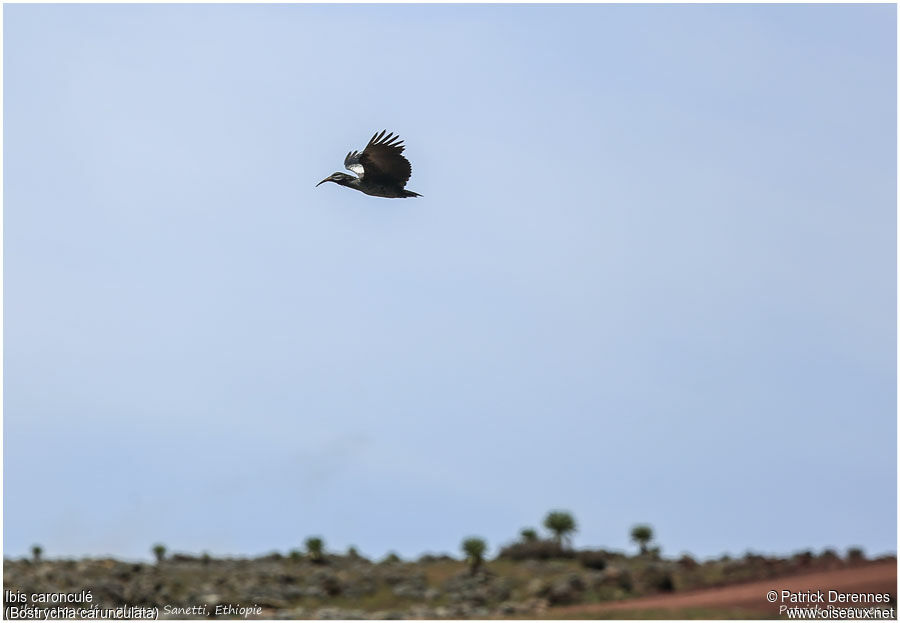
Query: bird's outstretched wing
{"x": 382, "y": 160}
{"x": 351, "y": 163}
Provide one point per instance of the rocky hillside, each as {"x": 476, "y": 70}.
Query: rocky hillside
{"x": 521, "y": 583}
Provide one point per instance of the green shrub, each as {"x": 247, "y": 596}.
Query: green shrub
{"x": 538, "y": 550}
{"x": 804, "y": 558}
{"x": 642, "y": 534}
{"x": 592, "y": 559}
{"x": 179, "y": 557}
{"x": 626, "y": 581}
{"x": 657, "y": 579}
{"x": 561, "y": 524}
{"x": 529, "y": 535}
{"x": 665, "y": 583}
{"x": 430, "y": 558}
{"x": 474, "y": 548}
{"x": 315, "y": 548}
{"x": 687, "y": 562}
{"x": 855, "y": 554}
{"x": 615, "y": 582}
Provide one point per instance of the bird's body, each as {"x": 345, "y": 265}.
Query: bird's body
{"x": 381, "y": 168}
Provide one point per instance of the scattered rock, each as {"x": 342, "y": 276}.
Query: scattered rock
{"x": 411, "y": 588}
{"x": 298, "y": 589}
{"x": 566, "y": 591}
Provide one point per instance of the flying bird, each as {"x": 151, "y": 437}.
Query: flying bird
{"x": 381, "y": 168}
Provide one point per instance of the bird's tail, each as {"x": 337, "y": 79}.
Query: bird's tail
{"x": 409, "y": 193}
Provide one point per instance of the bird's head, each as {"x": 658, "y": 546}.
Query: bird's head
{"x": 338, "y": 178}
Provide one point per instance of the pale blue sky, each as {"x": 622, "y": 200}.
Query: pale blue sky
{"x": 652, "y": 277}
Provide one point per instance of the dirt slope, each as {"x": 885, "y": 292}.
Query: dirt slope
{"x": 879, "y": 577}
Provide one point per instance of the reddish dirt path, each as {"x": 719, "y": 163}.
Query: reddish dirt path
{"x": 878, "y": 577}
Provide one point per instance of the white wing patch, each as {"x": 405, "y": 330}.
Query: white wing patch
{"x": 358, "y": 169}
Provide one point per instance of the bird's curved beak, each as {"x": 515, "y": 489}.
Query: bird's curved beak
{"x": 327, "y": 179}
